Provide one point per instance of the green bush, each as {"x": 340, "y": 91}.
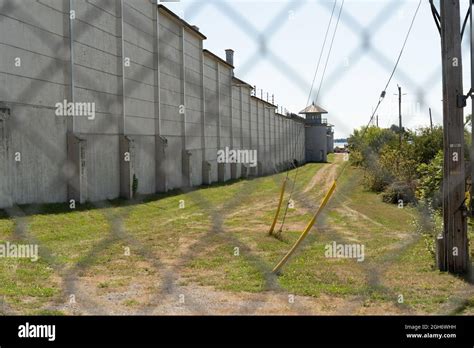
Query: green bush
{"x": 427, "y": 143}
{"x": 411, "y": 170}
{"x": 399, "y": 190}
{"x": 429, "y": 188}
{"x": 376, "y": 179}
{"x": 366, "y": 143}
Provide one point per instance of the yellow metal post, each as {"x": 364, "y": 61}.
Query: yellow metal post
{"x": 282, "y": 192}
{"x": 307, "y": 229}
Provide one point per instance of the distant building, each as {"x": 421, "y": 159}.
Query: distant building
{"x": 319, "y": 135}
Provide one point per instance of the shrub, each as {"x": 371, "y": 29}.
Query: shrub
{"x": 399, "y": 190}
{"x": 431, "y": 178}
{"x": 427, "y": 143}
{"x": 411, "y": 170}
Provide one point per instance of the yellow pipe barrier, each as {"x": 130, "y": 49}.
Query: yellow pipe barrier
{"x": 306, "y": 231}
{"x": 282, "y": 192}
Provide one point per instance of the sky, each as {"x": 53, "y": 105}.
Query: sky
{"x": 277, "y": 45}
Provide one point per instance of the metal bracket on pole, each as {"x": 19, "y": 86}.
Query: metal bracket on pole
{"x": 461, "y": 100}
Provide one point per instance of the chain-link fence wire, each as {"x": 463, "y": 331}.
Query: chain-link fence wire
{"x": 51, "y": 150}
{"x": 113, "y": 229}
{"x": 99, "y": 248}
{"x": 365, "y": 49}
{"x": 117, "y": 230}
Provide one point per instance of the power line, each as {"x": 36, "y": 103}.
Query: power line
{"x": 321, "y": 53}
{"x": 436, "y": 16}
{"x": 330, "y": 49}
{"x": 319, "y": 89}
{"x": 382, "y": 95}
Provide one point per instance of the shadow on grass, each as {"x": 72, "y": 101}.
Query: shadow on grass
{"x": 63, "y": 208}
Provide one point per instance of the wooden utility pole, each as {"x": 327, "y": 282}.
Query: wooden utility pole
{"x": 472, "y": 110}
{"x": 399, "y": 116}
{"x": 453, "y": 247}
{"x": 400, "y": 123}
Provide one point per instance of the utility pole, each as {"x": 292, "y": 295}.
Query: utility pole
{"x": 399, "y": 107}
{"x": 472, "y": 109}
{"x": 399, "y": 117}
{"x": 400, "y": 125}
{"x": 431, "y": 121}
{"x": 452, "y": 253}
{"x": 377, "y": 120}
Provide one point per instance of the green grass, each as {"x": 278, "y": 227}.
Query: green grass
{"x": 397, "y": 261}
{"x": 199, "y": 243}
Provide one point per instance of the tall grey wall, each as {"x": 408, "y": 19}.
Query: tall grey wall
{"x": 171, "y": 111}
{"x": 245, "y": 129}
{"x": 225, "y": 113}
{"x": 262, "y": 137}
{"x": 256, "y": 139}
{"x": 236, "y": 170}
{"x": 193, "y": 105}
{"x": 240, "y": 125}
{"x": 163, "y": 105}
{"x": 36, "y": 37}
{"x": 220, "y": 114}
{"x": 96, "y": 62}
{"x": 272, "y": 149}
{"x": 211, "y": 102}
{"x": 301, "y": 140}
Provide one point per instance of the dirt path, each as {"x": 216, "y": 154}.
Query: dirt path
{"x": 205, "y": 300}
{"x": 181, "y": 298}
{"x": 326, "y": 175}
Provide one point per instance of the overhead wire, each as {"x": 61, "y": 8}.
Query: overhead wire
{"x": 282, "y": 262}
{"x": 384, "y": 91}
{"x": 321, "y": 53}
{"x": 311, "y": 91}
{"x": 330, "y": 49}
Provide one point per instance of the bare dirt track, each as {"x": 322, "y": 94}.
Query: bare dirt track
{"x": 192, "y": 299}
{"x": 170, "y": 291}
{"x": 324, "y": 177}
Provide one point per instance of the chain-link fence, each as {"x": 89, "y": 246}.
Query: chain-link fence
{"x": 171, "y": 296}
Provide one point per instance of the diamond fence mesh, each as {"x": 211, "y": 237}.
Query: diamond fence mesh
{"x": 167, "y": 291}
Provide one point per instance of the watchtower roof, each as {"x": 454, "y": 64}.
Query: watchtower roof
{"x": 313, "y": 109}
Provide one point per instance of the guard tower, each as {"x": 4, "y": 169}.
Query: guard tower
{"x": 318, "y": 134}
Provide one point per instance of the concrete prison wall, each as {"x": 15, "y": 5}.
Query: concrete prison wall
{"x": 34, "y": 75}
{"x": 162, "y": 105}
